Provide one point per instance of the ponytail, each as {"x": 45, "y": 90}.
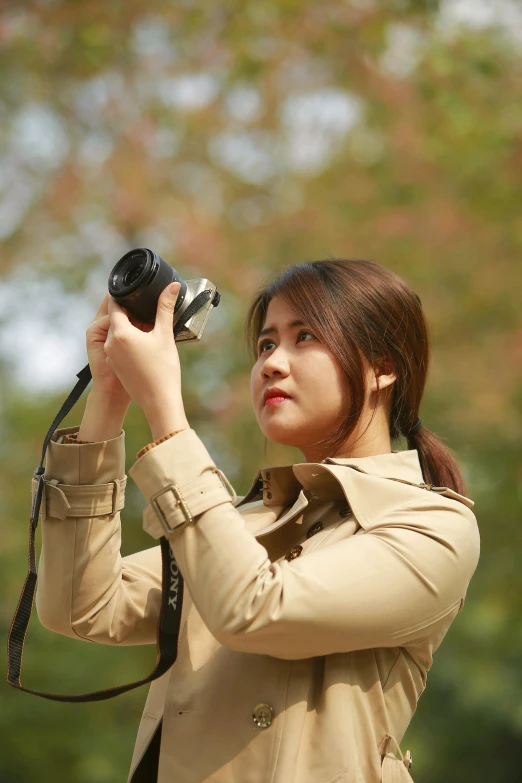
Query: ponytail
{"x": 437, "y": 461}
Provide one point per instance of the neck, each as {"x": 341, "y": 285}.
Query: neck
{"x": 376, "y": 440}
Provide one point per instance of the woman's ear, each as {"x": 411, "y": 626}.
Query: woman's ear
{"x": 384, "y": 371}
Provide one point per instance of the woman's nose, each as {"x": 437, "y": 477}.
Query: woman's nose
{"x": 277, "y": 361}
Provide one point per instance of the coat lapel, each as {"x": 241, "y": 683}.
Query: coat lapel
{"x": 263, "y": 520}
{"x": 361, "y": 486}
{"x": 374, "y": 487}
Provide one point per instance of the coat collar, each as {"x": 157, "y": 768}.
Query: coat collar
{"x": 361, "y": 487}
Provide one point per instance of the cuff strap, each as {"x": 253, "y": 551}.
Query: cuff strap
{"x": 81, "y": 500}
{"x": 172, "y": 508}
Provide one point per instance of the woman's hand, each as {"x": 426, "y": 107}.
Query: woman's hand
{"x": 104, "y": 379}
{"x": 146, "y": 363}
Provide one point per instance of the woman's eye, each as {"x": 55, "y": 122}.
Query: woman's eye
{"x": 311, "y": 335}
{"x": 264, "y": 342}
{"x": 262, "y": 345}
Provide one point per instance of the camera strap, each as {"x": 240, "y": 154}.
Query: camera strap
{"x": 170, "y": 615}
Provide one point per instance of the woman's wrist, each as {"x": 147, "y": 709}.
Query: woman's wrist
{"x": 167, "y": 426}
{"x": 166, "y": 417}
{"x": 103, "y": 417}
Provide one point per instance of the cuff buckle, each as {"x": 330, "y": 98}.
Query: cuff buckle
{"x": 180, "y": 502}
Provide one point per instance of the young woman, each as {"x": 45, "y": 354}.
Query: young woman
{"x": 313, "y": 604}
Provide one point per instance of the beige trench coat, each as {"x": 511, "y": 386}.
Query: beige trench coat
{"x": 312, "y": 607}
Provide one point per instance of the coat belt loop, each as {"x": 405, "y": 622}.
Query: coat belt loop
{"x": 228, "y": 486}
{"x": 60, "y": 496}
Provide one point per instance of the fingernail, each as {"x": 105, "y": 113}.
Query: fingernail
{"x": 174, "y": 288}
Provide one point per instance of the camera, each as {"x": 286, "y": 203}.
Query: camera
{"x": 137, "y": 280}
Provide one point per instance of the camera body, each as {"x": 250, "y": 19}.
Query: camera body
{"x": 195, "y": 326}
{"x": 138, "y": 279}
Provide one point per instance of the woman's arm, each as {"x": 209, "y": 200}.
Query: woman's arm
{"x": 384, "y": 588}
{"x": 85, "y": 588}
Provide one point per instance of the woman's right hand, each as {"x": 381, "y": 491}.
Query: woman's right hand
{"x": 104, "y": 380}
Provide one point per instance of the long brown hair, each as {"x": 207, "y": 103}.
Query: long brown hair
{"x": 363, "y": 310}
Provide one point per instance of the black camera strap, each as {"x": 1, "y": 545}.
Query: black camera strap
{"x": 170, "y": 614}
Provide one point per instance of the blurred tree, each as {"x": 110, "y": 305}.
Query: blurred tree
{"x": 235, "y": 139}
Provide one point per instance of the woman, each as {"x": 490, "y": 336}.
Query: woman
{"x": 313, "y": 604}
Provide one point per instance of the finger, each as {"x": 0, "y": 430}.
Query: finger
{"x": 103, "y": 308}
{"x": 118, "y": 316}
{"x": 103, "y": 320}
{"x": 165, "y": 307}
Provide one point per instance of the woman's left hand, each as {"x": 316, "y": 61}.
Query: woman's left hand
{"x": 146, "y": 362}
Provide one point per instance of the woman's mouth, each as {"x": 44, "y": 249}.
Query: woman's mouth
{"x": 276, "y": 400}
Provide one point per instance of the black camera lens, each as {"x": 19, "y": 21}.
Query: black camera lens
{"x": 133, "y": 274}
{"x": 137, "y": 281}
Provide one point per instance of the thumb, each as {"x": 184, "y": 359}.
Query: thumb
{"x": 166, "y": 305}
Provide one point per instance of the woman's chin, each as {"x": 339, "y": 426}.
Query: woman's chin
{"x": 284, "y": 434}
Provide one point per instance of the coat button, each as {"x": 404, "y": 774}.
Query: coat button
{"x": 262, "y": 715}
{"x": 345, "y": 510}
{"x": 294, "y": 552}
{"x": 314, "y": 529}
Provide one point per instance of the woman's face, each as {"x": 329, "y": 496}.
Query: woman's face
{"x": 293, "y": 359}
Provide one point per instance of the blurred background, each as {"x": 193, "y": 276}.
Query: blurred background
{"x": 236, "y": 138}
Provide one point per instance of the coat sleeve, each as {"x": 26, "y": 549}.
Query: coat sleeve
{"x": 85, "y": 588}
{"x": 383, "y": 588}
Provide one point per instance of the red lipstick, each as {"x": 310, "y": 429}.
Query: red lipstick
{"x": 274, "y": 396}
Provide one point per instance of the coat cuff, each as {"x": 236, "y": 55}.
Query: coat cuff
{"x": 82, "y": 479}
{"x": 149, "y": 446}
{"x": 73, "y": 438}
{"x": 99, "y": 462}
{"x": 180, "y": 481}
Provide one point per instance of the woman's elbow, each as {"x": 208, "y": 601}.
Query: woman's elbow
{"x": 53, "y": 615}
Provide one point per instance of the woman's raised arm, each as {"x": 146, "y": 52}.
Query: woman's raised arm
{"x": 85, "y": 588}
{"x": 387, "y": 587}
